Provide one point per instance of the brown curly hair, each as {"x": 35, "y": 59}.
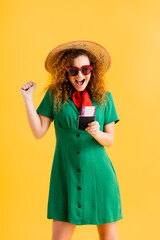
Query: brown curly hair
{"x": 60, "y": 85}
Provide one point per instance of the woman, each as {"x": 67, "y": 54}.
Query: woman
{"x": 83, "y": 183}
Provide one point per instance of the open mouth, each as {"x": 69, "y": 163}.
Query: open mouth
{"x": 80, "y": 83}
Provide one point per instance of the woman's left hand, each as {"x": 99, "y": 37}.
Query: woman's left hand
{"x": 93, "y": 128}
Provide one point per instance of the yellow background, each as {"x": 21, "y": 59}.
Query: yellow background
{"x": 130, "y": 31}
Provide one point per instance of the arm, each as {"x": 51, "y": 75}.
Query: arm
{"x": 39, "y": 124}
{"x": 105, "y": 138}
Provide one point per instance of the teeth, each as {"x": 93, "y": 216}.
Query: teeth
{"x": 79, "y": 80}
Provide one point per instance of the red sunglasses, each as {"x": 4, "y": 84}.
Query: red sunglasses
{"x": 85, "y": 70}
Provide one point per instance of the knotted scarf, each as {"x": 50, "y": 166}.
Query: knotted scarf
{"x": 81, "y": 99}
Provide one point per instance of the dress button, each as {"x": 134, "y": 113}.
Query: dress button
{"x": 77, "y": 118}
{"x": 79, "y": 188}
{"x": 78, "y": 152}
{"x": 79, "y": 205}
{"x": 77, "y": 135}
{"x": 78, "y": 170}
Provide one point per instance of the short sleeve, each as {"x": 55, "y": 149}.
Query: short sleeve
{"x": 45, "y": 108}
{"x": 110, "y": 114}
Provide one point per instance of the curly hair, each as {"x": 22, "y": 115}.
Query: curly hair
{"x": 60, "y": 85}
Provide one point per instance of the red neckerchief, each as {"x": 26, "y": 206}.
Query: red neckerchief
{"x": 81, "y": 99}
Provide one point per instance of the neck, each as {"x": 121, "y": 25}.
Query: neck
{"x": 80, "y": 91}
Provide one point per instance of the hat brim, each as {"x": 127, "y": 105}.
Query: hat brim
{"x": 96, "y": 49}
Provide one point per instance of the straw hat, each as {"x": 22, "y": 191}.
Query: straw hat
{"x": 96, "y": 49}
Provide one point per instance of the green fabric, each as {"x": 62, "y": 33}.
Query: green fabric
{"x": 46, "y": 106}
{"x": 110, "y": 111}
{"x": 80, "y": 161}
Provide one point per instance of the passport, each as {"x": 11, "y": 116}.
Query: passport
{"x": 87, "y": 116}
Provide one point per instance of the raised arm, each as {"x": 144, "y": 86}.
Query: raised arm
{"x": 38, "y": 123}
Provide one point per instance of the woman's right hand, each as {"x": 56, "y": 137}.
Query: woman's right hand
{"x": 27, "y": 89}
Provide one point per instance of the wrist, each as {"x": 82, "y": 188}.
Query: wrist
{"x": 28, "y": 98}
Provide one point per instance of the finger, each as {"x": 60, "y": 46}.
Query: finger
{"x": 95, "y": 123}
{"x": 93, "y": 127}
{"x": 92, "y": 132}
{"x": 92, "y": 123}
{"x": 25, "y": 86}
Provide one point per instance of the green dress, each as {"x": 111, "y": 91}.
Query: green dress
{"x": 83, "y": 183}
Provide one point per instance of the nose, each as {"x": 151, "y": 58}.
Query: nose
{"x": 80, "y": 73}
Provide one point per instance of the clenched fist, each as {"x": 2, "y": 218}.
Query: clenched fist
{"x": 27, "y": 89}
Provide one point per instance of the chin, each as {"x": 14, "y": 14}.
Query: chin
{"x": 80, "y": 89}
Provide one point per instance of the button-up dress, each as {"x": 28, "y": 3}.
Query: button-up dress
{"x": 83, "y": 184}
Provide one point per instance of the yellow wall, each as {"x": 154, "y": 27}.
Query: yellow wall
{"x": 130, "y": 31}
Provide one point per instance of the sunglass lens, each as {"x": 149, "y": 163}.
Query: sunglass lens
{"x": 73, "y": 71}
{"x": 86, "y": 70}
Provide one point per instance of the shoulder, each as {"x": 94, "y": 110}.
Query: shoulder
{"x": 49, "y": 95}
{"x": 50, "y": 92}
{"x": 108, "y": 93}
{"x": 108, "y": 96}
